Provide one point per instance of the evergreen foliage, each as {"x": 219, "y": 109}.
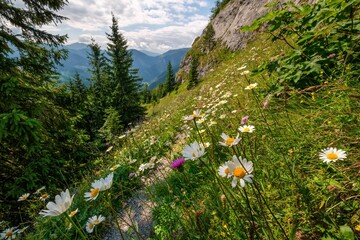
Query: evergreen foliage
{"x": 193, "y": 74}
{"x": 146, "y": 93}
{"x": 39, "y": 144}
{"x": 99, "y": 92}
{"x": 124, "y": 82}
{"x": 170, "y": 82}
{"x": 209, "y": 37}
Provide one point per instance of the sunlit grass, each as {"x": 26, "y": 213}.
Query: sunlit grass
{"x": 291, "y": 193}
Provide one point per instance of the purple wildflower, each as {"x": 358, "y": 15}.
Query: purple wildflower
{"x": 177, "y": 163}
{"x": 266, "y": 103}
{"x": 331, "y": 55}
{"x": 244, "y": 119}
{"x": 131, "y": 175}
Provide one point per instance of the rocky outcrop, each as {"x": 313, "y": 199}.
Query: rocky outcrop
{"x": 227, "y": 24}
{"x": 236, "y": 14}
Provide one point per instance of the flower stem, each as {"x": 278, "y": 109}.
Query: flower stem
{"x": 76, "y": 226}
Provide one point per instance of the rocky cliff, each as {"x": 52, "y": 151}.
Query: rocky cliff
{"x": 226, "y": 29}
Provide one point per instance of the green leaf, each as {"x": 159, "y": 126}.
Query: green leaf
{"x": 346, "y": 233}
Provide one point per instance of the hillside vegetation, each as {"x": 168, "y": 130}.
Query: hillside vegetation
{"x": 265, "y": 146}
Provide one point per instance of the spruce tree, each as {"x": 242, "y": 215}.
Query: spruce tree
{"x": 100, "y": 91}
{"x": 193, "y": 74}
{"x": 170, "y": 82}
{"x": 125, "y": 97}
{"x": 145, "y": 93}
{"x": 37, "y": 137}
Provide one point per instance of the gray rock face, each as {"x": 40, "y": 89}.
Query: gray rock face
{"x": 237, "y": 14}
{"x": 227, "y": 24}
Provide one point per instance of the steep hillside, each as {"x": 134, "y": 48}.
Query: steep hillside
{"x": 266, "y": 146}
{"x": 223, "y": 33}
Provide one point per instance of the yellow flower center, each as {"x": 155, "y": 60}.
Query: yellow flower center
{"x": 94, "y": 192}
{"x": 239, "y": 172}
{"x": 9, "y": 233}
{"x": 193, "y": 154}
{"x": 246, "y": 129}
{"x": 96, "y": 221}
{"x": 332, "y": 156}
{"x": 229, "y": 141}
{"x": 45, "y": 195}
{"x": 226, "y": 171}
{"x": 91, "y": 226}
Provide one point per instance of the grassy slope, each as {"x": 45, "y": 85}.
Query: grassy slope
{"x": 310, "y": 198}
{"x": 304, "y": 197}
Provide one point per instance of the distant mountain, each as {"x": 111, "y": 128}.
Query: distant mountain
{"x": 152, "y": 68}
{"x": 77, "y": 61}
{"x": 152, "y": 54}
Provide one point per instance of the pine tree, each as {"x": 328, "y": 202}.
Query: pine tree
{"x": 170, "y": 82}
{"x": 36, "y": 128}
{"x": 78, "y": 91}
{"x": 193, "y": 74}
{"x": 125, "y": 98}
{"x": 145, "y": 93}
{"x": 100, "y": 91}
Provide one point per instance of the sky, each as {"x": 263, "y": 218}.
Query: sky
{"x": 151, "y": 25}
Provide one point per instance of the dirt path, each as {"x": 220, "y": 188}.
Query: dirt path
{"x": 137, "y": 212}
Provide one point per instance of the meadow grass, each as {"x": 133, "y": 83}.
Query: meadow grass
{"x": 291, "y": 193}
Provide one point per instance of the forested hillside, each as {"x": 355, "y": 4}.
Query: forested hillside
{"x": 257, "y": 142}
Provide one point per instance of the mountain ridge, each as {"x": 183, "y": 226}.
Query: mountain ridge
{"x": 152, "y": 69}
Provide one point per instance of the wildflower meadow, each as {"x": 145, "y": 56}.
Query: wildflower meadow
{"x": 251, "y": 152}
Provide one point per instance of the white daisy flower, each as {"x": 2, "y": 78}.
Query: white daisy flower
{"x": 9, "y": 233}
{"x": 229, "y": 141}
{"x": 23, "y": 197}
{"x": 44, "y": 196}
{"x": 206, "y": 144}
{"x": 94, "y": 191}
{"x": 196, "y": 114}
{"x": 246, "y": 128}
{"x": 224, "y": 170}
{"x": 193, "y": 151}
{"x": 201, "y": 120}
{"x": 332, "y": 155}
{"x": 107, "y": 182}
{"x": 131, "y": 131}
{"x": 222, "y": 102}
{"x": 150, "y": 165}
{"x": 113, "y": 168}
{"x": 142, "y": 167}
{"x": 246, "y": 72}
{"x": 240, "y": 169}
{"x": 153, "y": 159}
{"x": 251, "y": 86}
{"x": 62, "y": 203}
{"x": 92, "y": 222}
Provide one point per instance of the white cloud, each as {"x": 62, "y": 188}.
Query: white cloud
{"x": 156, "y": 25}
{"x": 166, "y": 38}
